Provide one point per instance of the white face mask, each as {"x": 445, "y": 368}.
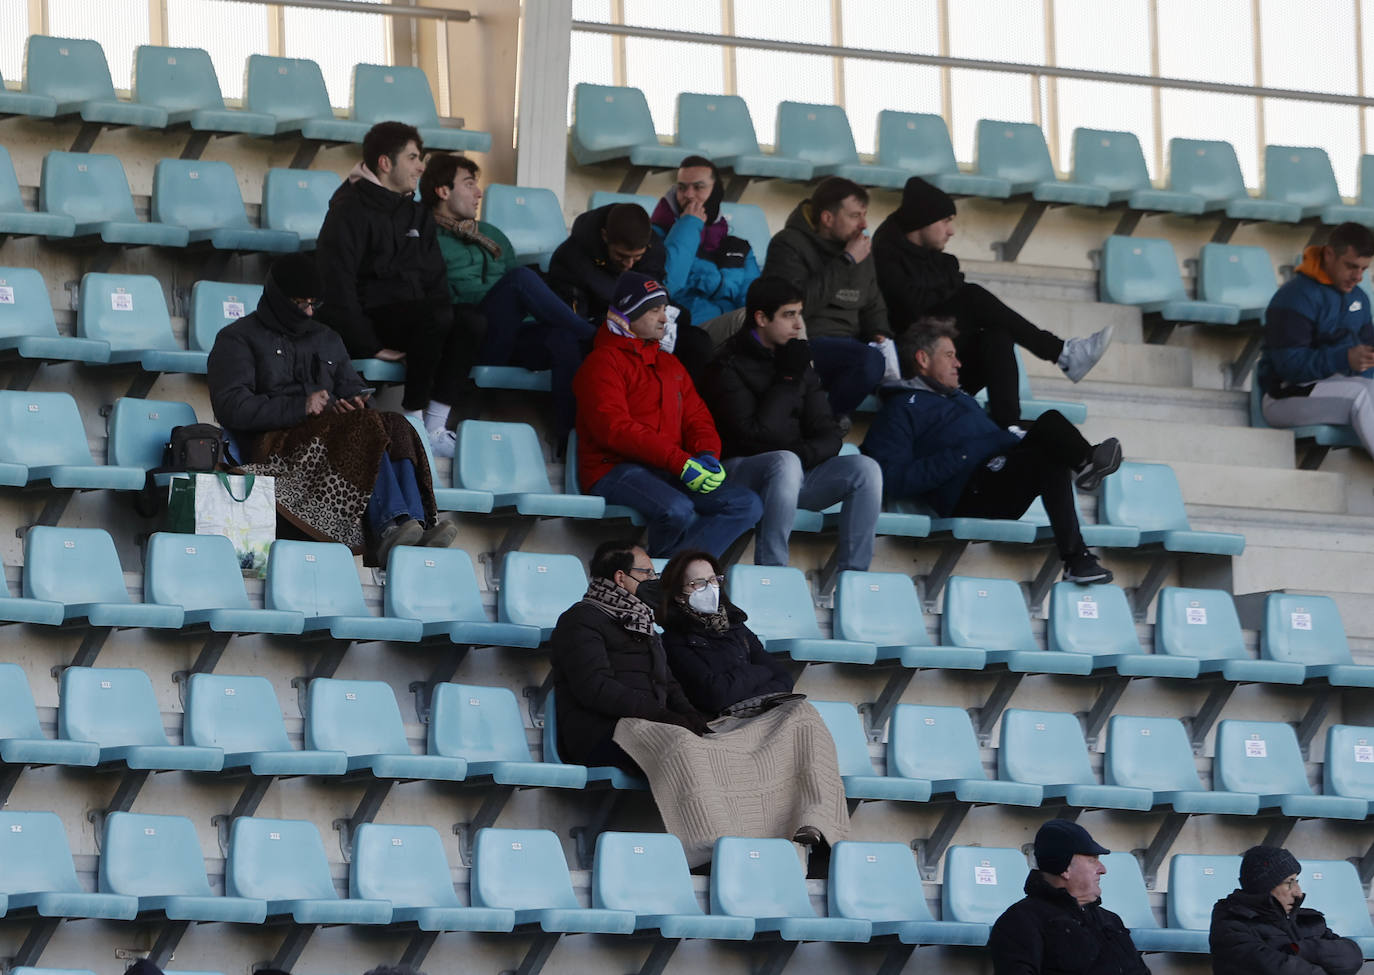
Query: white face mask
{"x": 705, "y": 600}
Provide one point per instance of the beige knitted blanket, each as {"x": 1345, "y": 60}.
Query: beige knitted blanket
{"x": 762, "y": 776}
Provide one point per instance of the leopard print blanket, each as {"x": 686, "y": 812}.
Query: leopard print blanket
{"x": 326, "y": 466}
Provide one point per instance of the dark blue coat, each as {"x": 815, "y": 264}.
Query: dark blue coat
{"x": 717, "y": 670}
{"x": 1308, "y": 328}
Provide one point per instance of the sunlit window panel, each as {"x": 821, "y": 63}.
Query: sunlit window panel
{"x": 119, "y": 26}
{"x": 880, "y": 25}
{"x": 986, "y": 95}
{"x": 590, "y": 61}
{"x": 229, "y": 31}
{"x": 1334, "y": 128}
{"x": 1309, "y": 46}
{"x": 1100, "y": 105}
{"x": 1203, "y": 115}
{"x": 337, "y": 42}
{"x": 994, "y": 30}
{"x": 1100, "y": 36}
{"x": 871, "y": 86}
{"x": 14, "y": 28}
{"x": 701, "y": 16}
{"x": 804, "y": 21}
{"x": 662, "y": 69}
{"x": 598, "y": 10}
{"x": 768, "y": 77}
{"x": 1227, "y": 55}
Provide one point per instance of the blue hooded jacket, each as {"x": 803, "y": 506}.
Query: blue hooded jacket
{"x": 706, "y": 273}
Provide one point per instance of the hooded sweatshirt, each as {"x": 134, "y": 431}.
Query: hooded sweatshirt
{"x": 708, "y": 270}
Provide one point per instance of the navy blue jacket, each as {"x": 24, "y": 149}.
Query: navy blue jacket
{"x": 1308, "y": 328}
{"x": 928, "y": 443}
{"x": 717, "y": 670}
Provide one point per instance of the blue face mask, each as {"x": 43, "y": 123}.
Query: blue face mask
{"x": 705, "y": 600}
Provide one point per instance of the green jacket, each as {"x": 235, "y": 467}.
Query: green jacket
{"x": 472, "y": 272}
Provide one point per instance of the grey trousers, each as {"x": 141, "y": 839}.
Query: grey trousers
{"x": 1338, "y": 400}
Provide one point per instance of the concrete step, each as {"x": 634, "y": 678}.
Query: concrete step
{"x": 1238, "y": 486}
{"x": 1141, "y": 365}
{"x": 1181, "y": 404}
{"x": 1155, "y": 440}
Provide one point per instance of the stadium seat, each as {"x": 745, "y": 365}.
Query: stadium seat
{"x": 819, "y": 136}
{"x": 1115, "y": 162}
{"x": 720, "y": 128}
{"x": 523, "y": 870}
{"x": 292, "y": 91}
{"x": 614, "y": 123}
{"x": 748, "y": 221}
{"x": 201, "y": 575}
{"x": 78, "y": 568}
{"x": 1143, "y": 271}
{"x": 320, "y": 580}
{"x": 22, "y": 741}
{"x": 1196, "y": 883}
{"x": 140, "y": 430}
{"x": 130, "y": 313}
{"x": 1046, "y": 748}
{"x": 25, "y": 103}
{"x": 1017, "y": 153}
{"x": 530, "y": 216}
{"x": 1097, "y": 620}
{"x": 1302, "y": 176}
{"x": 1232, "y": 274}
{"x": 18, "y": 220}
{"x": 1263, "y": 758}
{"x": 991, "y": 614}
{"x": 609, "y": 775}
{"x": 28, "y": 329}
{"x": 937, "y": 744}
{"x": 920, "y": 145}
{"x": 880, "y": 883}
{"x": 215, "y": 304}
{"x": 1307, "y": 630}
{"x": 603, "y": 198}
{"x": 387, "y": 92}
{"x": 1148, "y": 497}
{"x": 882, "y": 608}
{"x": 182, "y": 82}
{"x": 296, "y": 200}
{"x": 506, "y": 460}
{"x": 762, "y": 879}
{"x": 75, "y": 74}
{"x": 204, "y": 198}
{"x": 782, "y": 614}
{"x": 646, "y": 874}
{"x": 45, "y": 442}
{"x": 438, "y": 587}
{"x": 1334, "y": 888}
{"x": 536, "y": 589}
{"x": 482, "y": 725}
{"x": 1322, "y": 436}
{"x": 1212, "y": 171}
{"x": 981, "y": 882}
{"x": 1349, "y": 766}
{"x": 856, "y": 768}
{"x": 1202, "y": 623}
{"x": 448, "y": 498}
{"x": 240, "y": 715}
{"x": 1155, "y": 754}
{"x": 361, "y": 718}
{"x": 1124, "y": 894}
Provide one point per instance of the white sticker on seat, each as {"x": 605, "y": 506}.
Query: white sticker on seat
{"x": 121, "y": 301}
{"x": 1256, "y": 748}
{"x": 1087, "y": 609}
{"x": 1195, "y": 615}
{"x": 1301, "y": 621}
{"x": 985, "y": 875}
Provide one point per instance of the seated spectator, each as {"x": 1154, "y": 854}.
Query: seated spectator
{"x": 824, "y": 251}
{"x": 936, "y": 445}
{"x": 1262, "y": 928}
{"x": 281, "y": 383}
{"x": 1061, "y": 925}
{"x": 920, "y": 279}
{"x": 646, "y": 439}
{"x": 383, "y": 276}
{"x": 1317, "y": 361}
{"x": 483, "y": 274}
{"x": 780, "y": 438}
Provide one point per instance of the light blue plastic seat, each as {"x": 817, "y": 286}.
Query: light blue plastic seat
{"x": 438, "y": 587}
{"x": 45, "y": 441}
{"x": 530, "y": 216}
{"x": 1202, "y": 623}
{"x": 1094, "y": 535}
{"x": 74, "y": 74}
{"x": 1155, "y": 754}
{"x": 571, "y": 485}
{"x": 1148, "y": 497}
{"x": 204, "y": 198}
{"x": 282, "y": 862}
{"x": 919, "y": 144}
{"x": 523, "y": 870}
{"x": 981, "y": 882}
{"x": 1115, "y": 162}
{"x": 1307, "y": 630}
{"x": 819, "y": 135}
{"x": 607, "y": 775}
{"x": 79, "y": 569}
{"x": 1143, "y": 271}
{"x": 1097, "y": 620}
{"x": 201, "y": 575}
{"x": 1334, "y": 888}
{"x": 361, "y": 718}
{"x": 292, "y": 91}
{"x": 37, "y": 873}
{"x": 1046, "y": 748}
{"x": 720, "y": 128}
{"x": 1007, "y": 530}
{"x": 614, "y": 123}
{"x": 158, "y": 860}
{"x": 537, "y": 588}
{"x": 379, "y": 371}
{"x": 27, "y": 327}
{"x": 763, "y": 879}
{"x": 506, "y": 460}
{"x": 1017, "y": 153}
{"x": 215, "y": 304}
{"x": 482, "y": 725}
{"x": 856, "y": 768}
{"x": 1302, "y": 176}
{"x": 400, "y": 93}
{"x": 1211, "y": 170}
{"x": 296, "y": 201}
{"x": 182, "y": 82}
{"x": 1124, "y": 894}
{"x": 882, "y": 608}
{"x": 646, "y": 874}
{"x": 115, "y": 707}
{"x": 448, "y": 498}
{"x": 603, "y": 198}
{"x": 748, "y": 221}
{"x": 1233, "y": 274}
{"x": 880, "y": 883}
{"x": 140, "y": 429}
{"x": 407, "y": 866}
{"x": 1263, "y": 758}
{"x": 91, "y": 188}
{"x": 25, "y": 103}
{"x": 937, "y": 744}
{"x": 512, "y": 377}
{"x": 1349, "y": 766}
{"x": 320, "y": 581}
{"x": 778, "y": 601}
{"x": 15, "y": 218}
{"x": 1324, "y": 434}
{"x": 22, "y": 741}
{"x": 129, "y": 312}
{"x": 991, "y": 614}
{"x": 240, "y": 716}
{"x": 1196, "y": 883}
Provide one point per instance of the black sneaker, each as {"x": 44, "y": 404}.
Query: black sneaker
{"x": 1084, "y": 568}
{"x": 1104, "y": 459}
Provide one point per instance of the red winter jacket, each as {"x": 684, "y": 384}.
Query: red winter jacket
{"x": 636, "y": 403}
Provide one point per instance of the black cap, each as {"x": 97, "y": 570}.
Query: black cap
{"x": 922, "y": 204}
{"x": 1058, "y": 840}
{"x": 1263, "y": 867}
{"x": 297, "y": 276}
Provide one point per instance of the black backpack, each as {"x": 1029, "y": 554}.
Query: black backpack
{"x": 195, "y": 447}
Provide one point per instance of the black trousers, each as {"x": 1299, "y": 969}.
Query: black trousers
{"x": 431, "y": 347}
{"x": 987, "y": 331}
{"x": 1041, "y": 465}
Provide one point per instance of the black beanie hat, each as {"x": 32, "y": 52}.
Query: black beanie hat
{"x": 922, "y": 204}
{"x": 297, "y": 276}
{"x": 636, "y": 293}
{"x": 1058, "y": 840}
{"x": 1263, "y": 867}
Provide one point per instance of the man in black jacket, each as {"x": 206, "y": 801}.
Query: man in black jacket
{"x": 779, "y": 437}
{"x": 918, "y": 279}
{"x": 1061, "y": 925}
{"x": 385, "y": 290}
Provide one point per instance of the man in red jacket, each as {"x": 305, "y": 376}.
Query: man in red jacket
{"x": 646, "y": 439}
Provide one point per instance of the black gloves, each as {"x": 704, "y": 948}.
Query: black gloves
{"x": 790, "y": 361}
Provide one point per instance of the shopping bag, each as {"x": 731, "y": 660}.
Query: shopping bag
{"x": 242, "y": 508}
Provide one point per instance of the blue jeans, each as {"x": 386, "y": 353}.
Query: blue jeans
{"x": 849, "y": 370}
{"x": 679, "y": 519}
{"x": 395, "y": 494}
{"x": 854, "y": 480}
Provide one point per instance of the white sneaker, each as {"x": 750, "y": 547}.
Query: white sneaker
{"x": 1080, "y": 355}
{"x": 442, "y": 442}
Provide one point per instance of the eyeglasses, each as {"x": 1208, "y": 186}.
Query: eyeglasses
{"x": 1290, "y": 883}
{"x": 307, "y": 303}
{"x": 697, "y": 585}
{"x": 650, "y": 573}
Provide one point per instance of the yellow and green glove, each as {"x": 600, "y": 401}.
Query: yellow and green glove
{"x": 703, "y": 474}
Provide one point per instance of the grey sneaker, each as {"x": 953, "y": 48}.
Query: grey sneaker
{"x": 440, "y": 536}
{"x": 407, "y": 532}
{"x": 441, "y": 442}
{"x": 1080, "y": 355}
{"x": 1104, "y": 459}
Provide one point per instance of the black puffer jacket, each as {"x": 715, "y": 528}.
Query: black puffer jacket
{"x": 720, "y": 669}
{"x": 1047, "y": 932}
{"x": 603, "y": 672}
{"x": 1251, "y": 935}
{"x": 377, "y": 247}
{"x": 913, "y": 279}
{"x": 756, "y": 411}
{"x": 579, "y": 274}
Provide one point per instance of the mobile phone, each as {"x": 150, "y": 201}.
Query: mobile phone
{"x": 367, "y": 391}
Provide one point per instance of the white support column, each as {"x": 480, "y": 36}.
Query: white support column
{"x": 542, "y": 119}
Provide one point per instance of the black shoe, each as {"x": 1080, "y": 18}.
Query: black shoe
{"x": 1104, "y": 459}
{"x": 1084, "y": 568}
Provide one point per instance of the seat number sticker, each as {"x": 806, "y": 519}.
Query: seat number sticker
{"x": 122, "y": 301}
{"x": 1087, "y": 609}
{"x": 1256, "y": 748}
{"x": 6, "y": 295}
{"x": 1364, "y": 753}
{"x": 1195, "y": 616}
{"x": 1301, "y": 621}
{"x": 985, "y": 876}
{"x": 233, "y": 309}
